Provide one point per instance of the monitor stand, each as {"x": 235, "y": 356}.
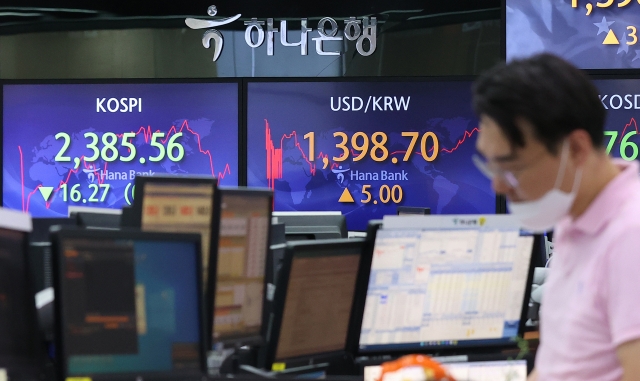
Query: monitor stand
{"x": 329, "y": 365}
{"x": 230, "y": 360}
{"x": 287, "y": 373}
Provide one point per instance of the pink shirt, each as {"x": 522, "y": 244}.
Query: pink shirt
{"x": 591, "y": 301}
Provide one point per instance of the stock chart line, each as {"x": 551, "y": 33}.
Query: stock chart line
{"x": 147, "y": 133}
{"x": 632, "y": 123}
{"x": 274, "y": 155}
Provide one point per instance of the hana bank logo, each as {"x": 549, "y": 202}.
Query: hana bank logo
{"x": 339, "y": 172}
{"x": 362, "y": 31}
{"x": 211, "y": 34}
{"x": 470, "y": 221}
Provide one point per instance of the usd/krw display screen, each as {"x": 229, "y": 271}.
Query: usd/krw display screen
{"x": 83, "y": 144}
{"x": 365, "y": 148}
{"x": 591, "y": 34}
{"x": 621, "y": 99}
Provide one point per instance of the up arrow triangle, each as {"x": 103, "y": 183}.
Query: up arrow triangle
{"x": 346, "y": 196}
{"x": 46, "y": 192}
{"x": 611, "y": 39}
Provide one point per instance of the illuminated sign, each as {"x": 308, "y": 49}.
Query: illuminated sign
{"x": 622, "y": 100}
{"x": 84, "y": 144}
{"x": 358, "y": 30}
{"x": 366, "y": 148}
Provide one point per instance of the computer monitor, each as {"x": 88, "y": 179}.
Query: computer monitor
{"x": 21, "y": 354}
{"x": 180, "y": 204}
{"x": 301, "y": 226}
{"x": 240, "y": 284}
{"x": 446, "y": 283}
{"x": 412, "y": 210}
{"x": 278, "y": 242}
{"x": 128, "y": 305}
{"x": 314, "y": 300}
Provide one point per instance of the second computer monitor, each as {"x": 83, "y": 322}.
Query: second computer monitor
{"x": 20, "y": 356}
{"x": 128, "y": 305}
{"x": 243, "y": 245}
{"x": 314, "y": 299}
{"x": 177, "y": 204}
{"x": 445, "y": 282}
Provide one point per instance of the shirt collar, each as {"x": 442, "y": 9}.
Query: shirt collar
{"x": 608, "y": 202}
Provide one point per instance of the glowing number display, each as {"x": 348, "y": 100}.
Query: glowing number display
{"x": 365, "y": 148}
{"x": 361, "y": 144}
{"x": 83, "y": 144}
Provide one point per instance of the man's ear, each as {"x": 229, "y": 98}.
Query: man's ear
{"x": 580, "y": 146}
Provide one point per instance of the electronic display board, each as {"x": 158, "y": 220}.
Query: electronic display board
{"x": 365, "y": 148}
{"x": 84, "y": 143}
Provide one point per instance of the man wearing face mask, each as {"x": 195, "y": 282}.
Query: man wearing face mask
{"x": 541, "y": 141}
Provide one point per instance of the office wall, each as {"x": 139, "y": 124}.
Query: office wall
{"x": 451, "y": 49}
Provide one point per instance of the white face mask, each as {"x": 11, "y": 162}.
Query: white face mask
{"x": 542, "y": 214}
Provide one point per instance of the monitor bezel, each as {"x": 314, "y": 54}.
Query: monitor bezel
{"x": 240, "y": 340}
{"x": 140, "y": 183}
{"x": 292, "y": 250}
{"x": 469, "y": 346}
{"x": 364, "y": 273}
{"x": 11, "y": 220}
{"x": 63, "y": 233}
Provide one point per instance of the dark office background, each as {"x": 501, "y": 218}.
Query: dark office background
{"x": 54, "y": 39}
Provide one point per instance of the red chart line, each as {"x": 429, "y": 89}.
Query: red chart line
{"x": 147, "y": 134}
{"x": 22, "y": 176}
{"x": 633, "y": 123}
{"x": 274, "y": 155}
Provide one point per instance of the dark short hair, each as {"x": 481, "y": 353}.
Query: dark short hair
{"x": 555, "y": 96}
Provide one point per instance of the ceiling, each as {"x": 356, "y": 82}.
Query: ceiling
{"x": 46, "y": 15}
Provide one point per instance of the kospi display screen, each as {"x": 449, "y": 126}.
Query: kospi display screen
{"x": 621, "y": 99}
{"x": 591, "y": 34}
{"x": 83, "y": 144}
{"x": 365, "y": 148}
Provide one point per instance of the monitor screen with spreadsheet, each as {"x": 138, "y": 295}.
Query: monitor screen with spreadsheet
{"x": 314, "y": 299}
{"x": 442, "y": 287}
{"x": 179, "y": 204}
{"x": 245, "y": 217}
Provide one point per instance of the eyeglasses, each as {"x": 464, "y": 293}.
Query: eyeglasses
{"x": 492, "y": 172}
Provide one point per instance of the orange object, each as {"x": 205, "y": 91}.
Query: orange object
{"x": 432, "y": 369}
